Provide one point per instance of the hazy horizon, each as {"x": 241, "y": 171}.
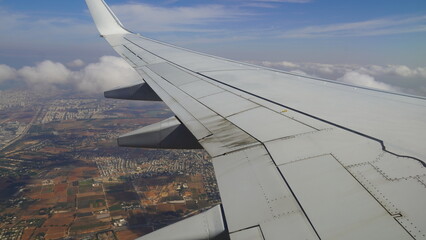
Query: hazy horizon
{"x": 50, "y": 43}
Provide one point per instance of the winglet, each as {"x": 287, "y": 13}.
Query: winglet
{"x": 105, "y": 20}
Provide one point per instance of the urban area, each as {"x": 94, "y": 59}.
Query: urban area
{"x": 62, "y": 175}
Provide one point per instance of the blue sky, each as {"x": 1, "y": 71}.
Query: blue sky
{"x": 243, "y": 30}
{"x": 339, "y": 33}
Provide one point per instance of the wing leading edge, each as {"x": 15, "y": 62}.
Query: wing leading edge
{"x": 294, "y": 156}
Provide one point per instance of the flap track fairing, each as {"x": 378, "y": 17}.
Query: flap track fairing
{"x": 167, "y": 134}
{"x": 140, "y": 91}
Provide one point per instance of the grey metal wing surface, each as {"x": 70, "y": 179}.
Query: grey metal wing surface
{"x": 295, "y": 157}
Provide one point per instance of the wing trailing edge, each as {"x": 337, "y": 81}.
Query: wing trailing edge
{"x": 206, "y": 225}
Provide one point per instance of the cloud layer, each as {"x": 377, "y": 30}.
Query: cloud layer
{"x": 109, "y": 72}
{"x": 338, "y": 69}
{"x": 365, "y": 80}
{"x": 397, "y": 78}
{"x": 6, "y": 73}
{"x": 46, "y": 72}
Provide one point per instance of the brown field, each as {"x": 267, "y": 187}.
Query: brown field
{"x": 131, "y": 234}
{"x": 137, "y": 121}
{"x": 56, "y": 232}
{"x": 41, "y": 204}
{"x": 71, "y": 199}
{"x": 40, "y": 230}
{"x": 34, "y": 192}
{"x": 87, "y": 194}
{"x": 91, "y": 203}
{"x": 62, "y": 197}
{"x": 23, "y": 116}
{"x": 60, "y": 192}
{"x": 166, "y": 207}
{"x": 61, "y": 179}
{"x": 147, "y": 202}
{"x": 27, "y": 217}
{"x": 68, "y": 125}
{"x": 60, "y": 187}
{"x": 118, "y": 214}
{"x": 56, "y": 236}
{"x": 29, "y": 157}
{"x": 88, "y": 225}
{"x": 60, "y": 219}
{"x": 196, "y": 182}
{"x": 151, "y": 194}
{"x": 88, "y": 134}
{"x": 53, "y": 150}
{"x": 51, "y": 197}
{"x": 28, "y": 232}
{"x": 54, "y": 198}
{"x": 79, "y": 173}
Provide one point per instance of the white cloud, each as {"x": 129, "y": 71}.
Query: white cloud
{"x": 76, "y": 63}
{"x": 6, "y": 73}
{"x": 335, "y": 70}
{"x": 404, "y": 71}
{"x": 422, "y": 72}
{"x": 321, "y": 69}
{"x": 46, "y": 72}
{"x": 280, "y": 64}
{"x": 108, "y": 73}
{"x": 374, "y": 27}
{"x": 299, "y": 72}
{"x": 364, "y": 80}
{"x": 401, "y": 78}
{"x": 395, "y": 70}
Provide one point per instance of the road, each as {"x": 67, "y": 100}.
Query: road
{"x": 27, "y": 128}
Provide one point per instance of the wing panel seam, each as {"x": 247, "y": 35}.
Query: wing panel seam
{"x": 370, "y": 193}
{"x": 256, "y": 67}
{"x": 237, "y": 150}
{"x": 293, "y": 109}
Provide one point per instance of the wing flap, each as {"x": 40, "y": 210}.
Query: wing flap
{"x": 359, "y": 215}
{"x": 216, "y": 134}
{"x": 253, "y": 233}
{"x": 207, "y": 225}
{"x": 254, "y": 193}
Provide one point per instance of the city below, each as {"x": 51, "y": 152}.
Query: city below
{"x": 62, "y": 175}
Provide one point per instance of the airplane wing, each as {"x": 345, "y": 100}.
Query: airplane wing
{"x": 295, "y": 157}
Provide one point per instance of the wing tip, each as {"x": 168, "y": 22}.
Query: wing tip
{"x": 105, "y": 20}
